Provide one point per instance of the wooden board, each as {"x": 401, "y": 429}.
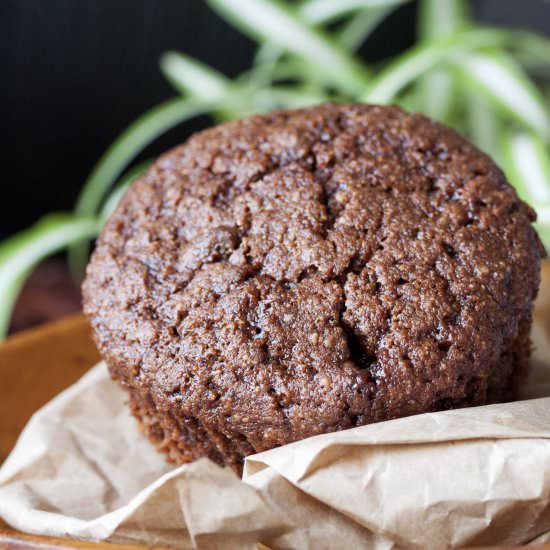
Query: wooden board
{"x": 36, "y": 365}
{"x": 11, "y": 540}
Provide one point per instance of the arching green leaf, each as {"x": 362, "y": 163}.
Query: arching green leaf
{"x": 22, "y": 252}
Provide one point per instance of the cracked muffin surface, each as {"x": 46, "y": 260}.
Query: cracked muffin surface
{"x": 313, "y": 270}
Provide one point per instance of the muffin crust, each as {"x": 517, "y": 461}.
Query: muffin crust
{"x": 308, "y": 271}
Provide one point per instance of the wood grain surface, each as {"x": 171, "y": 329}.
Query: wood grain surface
{"x": 12, "y": 540}
{"x": 36, "y": 365}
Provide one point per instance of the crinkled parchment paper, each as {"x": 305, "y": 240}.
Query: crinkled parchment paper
{"x": 469, "y": 477}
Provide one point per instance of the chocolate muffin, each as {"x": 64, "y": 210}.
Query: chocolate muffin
{"x": 309, "y": 271}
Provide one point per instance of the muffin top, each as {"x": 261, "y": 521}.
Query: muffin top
{"x": 303, "y": 271}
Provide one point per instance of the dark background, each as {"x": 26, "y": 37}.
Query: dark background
{"x": 74, "y": 73}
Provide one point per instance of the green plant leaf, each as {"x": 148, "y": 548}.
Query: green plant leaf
{"x": 484, "y": 125}
{"x": 22, "y": 252}
{"x": 350, "y": 35}
{"x": 529, "y": 48}
{"x": 287, "y": 97}
{"x": 114, "y": 199}
{"x": 505, "y": 84}
{"x": 128, "y": 144}
{"x": 319, "y": 12}
{"x": 437, "y": 19}
{"x": 279, "y": 24}
{"x": 543, "y": 223}
{"x": 425, "y": 57}
{"x": 265, "y": 62}
{"x": 359, "y": 27}
{"x": 527, "y": 166}
{"x": 410, "y": 100}
{"x": 190, "y": 76}
{"x": 116, "y": 195}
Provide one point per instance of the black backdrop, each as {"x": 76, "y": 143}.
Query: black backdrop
{"x": 73, "y": 73}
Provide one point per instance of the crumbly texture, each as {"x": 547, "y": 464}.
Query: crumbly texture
{"x": 309, "y": 271}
